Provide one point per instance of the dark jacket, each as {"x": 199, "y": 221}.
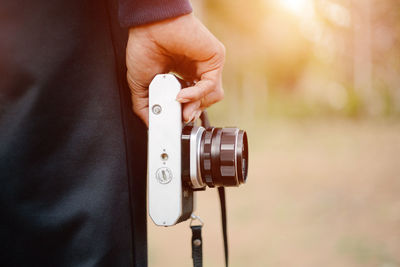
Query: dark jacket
{"x": 72, "y": 153}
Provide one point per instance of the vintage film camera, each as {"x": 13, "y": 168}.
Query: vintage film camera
{"x": 186, "y": 158}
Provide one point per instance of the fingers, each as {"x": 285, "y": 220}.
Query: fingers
{"x": 191, "y": 111}
{"x": 206, "y": 92}
{"x": 201, "y": 57}
{"x": 202, "y": 88}
{"x": 209, "y": 87}
{"x": 212, "y": 98}
{"x": 200, "y": 96}
{"x": 182, "y": 45}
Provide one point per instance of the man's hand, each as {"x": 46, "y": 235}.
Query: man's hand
{"x": 182, "y": 45}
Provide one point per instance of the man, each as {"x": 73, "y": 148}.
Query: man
{"x": 72, "y": 153}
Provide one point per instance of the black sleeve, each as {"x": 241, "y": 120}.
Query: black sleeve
{"x": 138, "y": 12}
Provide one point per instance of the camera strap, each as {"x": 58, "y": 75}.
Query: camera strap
{"x": 197, "y": 241}
{"x": 197, "y": 246}
{"x": 221, "y": 193}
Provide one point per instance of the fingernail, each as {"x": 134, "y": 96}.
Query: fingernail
{"x": 182, "y": 100}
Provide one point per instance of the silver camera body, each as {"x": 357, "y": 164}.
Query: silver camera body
{"x": 186, "y": 158}
{"x": 169, "y": 201}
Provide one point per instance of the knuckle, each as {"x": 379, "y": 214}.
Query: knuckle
{"x": 219, "y": 53}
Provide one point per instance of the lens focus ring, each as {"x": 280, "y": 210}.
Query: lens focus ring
{"x": 224, "y": 157}
{"x": 227, "y": 157}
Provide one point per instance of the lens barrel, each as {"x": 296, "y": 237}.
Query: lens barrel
{"x": 224, "y": 157}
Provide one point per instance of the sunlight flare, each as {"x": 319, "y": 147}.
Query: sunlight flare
{"x": 295, "y": 6}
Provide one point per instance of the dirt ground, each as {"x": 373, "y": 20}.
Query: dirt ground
{"x": 319, "y": 193}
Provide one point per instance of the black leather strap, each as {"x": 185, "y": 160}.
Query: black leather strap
{"x": 197, "y": 246}
{"x": 221, "y": 193}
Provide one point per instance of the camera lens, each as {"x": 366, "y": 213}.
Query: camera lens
{"x": 224, "y": 156}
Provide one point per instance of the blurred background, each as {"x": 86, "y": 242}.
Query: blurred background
{"x": 316, "y": 84}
